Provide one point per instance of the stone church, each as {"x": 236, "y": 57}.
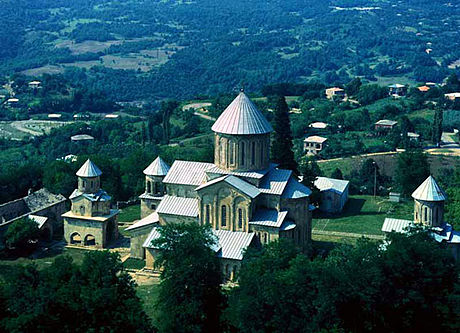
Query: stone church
{"x": 242, "y": 195}
{"x": 91, "y": 221}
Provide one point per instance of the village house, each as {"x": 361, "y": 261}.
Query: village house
{"x": 91, "y": 221}
{"x": 318, "y": 125}
{"x": 429, "y": 199}
{"x": 334, "y": 194}
{"x": 313, "y": 144}
{"x": 335, "y": 93}
{"x": 242, "y": 196}
{"x": 423, "y": 88}
{"x": 42, "y": 206}
{"x": 383, "y": 126}
{"x": 81, "y": 138}
{"x": 397, "y": 90}
{"x": 452, "y": 96}
{"x": 35, "y": 84}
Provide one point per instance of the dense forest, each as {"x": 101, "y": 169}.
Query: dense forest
{"x": 144, "y": 50}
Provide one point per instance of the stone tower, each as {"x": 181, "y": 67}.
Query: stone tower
{"x": 91, "y": 221}
{"x": 242, "y": 137}
{"x": 154, "y": 187}
{"x": 429, "y": 201}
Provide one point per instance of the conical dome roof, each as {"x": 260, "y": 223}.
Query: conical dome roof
{"x": 242, "y": 117}
{"x": 157, "y": 168}
{"x": 429, "y": 191}
{"x": 89, "y": 169}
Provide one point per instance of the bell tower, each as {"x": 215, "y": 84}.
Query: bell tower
{"x": 429, "y": 201}
{"x": 242, "y": 137}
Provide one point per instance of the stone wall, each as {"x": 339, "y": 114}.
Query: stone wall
{"x": 85, "y": 228}
{"x": 138, "y": 237}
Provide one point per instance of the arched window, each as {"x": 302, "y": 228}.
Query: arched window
{"x": 231, "y": 152}
{"x": 91, "y": 184}
{"x": 207, "y": 214}
{"x": 240, "y": 218}
{"x": 265, "y": 238}
{"x": 224, "y": 216}
{"x": 222, "y": 150}
{"x": 242, "y": 153}
{"x": 425, "y": 215}
{"x": 149, "y": 188}
{"x": 82, "y": 210}
{"x": 253, "y": 153}
{"x": 235, "y": 269}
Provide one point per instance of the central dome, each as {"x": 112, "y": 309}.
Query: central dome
{"x": 242, "y": 117}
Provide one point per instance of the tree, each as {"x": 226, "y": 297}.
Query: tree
{"x": 281, "y": 149}
{"x": 59, "y": 177}
{"x": 189, "y": 299}
{"x": 352, "y": 88}
{"x": 167, "y": 109}
{"x": 437, "y": 126}
{"x": 452, "y": 215}
{"x": 412, "y": 170}
{"x": 337, "y": 174}
{"x": 97, "y": 296}
{"x": 21, "y": 232}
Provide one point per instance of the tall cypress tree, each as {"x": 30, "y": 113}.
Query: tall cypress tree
{"x": 281, "y": 149}
{"x": 437, "y": 126}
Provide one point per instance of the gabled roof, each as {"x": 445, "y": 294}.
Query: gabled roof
{"x": 157, "y": 168}
{"x": 386, "y": 122}
{"x": 230, "y": 244}
{"x": 396, "y": 225}
{"x": 148, "y": 220}
{"x": 256, "y": 174}
{"x": 245, "y": 187}
{"x": 268, "y": 218}
{"x": 429, "y": 190}
{"x": 275, "y": 181}
{"x": 39, "y": 220}
{"x": 187, "y": 173}
{"x": 89, "y": 169}
{"x": 295, "y": 190}
{"x": 242, "y": 117}
{"x": 172, "y": 205}
{"x": 336, "y": 185}
{"x": 315, "y": 139}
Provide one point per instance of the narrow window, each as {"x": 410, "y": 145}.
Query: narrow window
{"x": 261, "y": 153}
{"x": 231, "y": 150}
{"x": 207, "y": 214}
{"x": 149, "y": 189}
{"x": 253, "y": 153}
{"x": 240, "y": 218}
{"x": 425, "y": 218}
{"x": 224, "y": 216}
{"x": 265, "y": 238}
{"x": 242, "y": 152}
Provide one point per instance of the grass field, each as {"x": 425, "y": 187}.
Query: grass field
{"x": 130, "y": 214}
{"x": 363, "y": 215}
{"x": 148, "y": 294}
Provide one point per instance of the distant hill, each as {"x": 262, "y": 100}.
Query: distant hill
{"x": 146, "y": 49}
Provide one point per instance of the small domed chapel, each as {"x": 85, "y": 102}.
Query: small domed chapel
{"x": 242, "y": 195}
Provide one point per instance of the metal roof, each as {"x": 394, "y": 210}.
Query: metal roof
{"x": 157, "y": 168}
{"x": 40, "y": 220}
{"x": 187, "y": 173}
{"x": 81, "y": 137}
{"x": 336, "y": 185}
{"x": 318, "y": 125}
{"x": 242, "y": 117}
{"x": 232, "y": 243}
{"x": 429, "y": 190}
{"x": 295, "y": 190}
{"x": 173, "y": 205}
{"x": 397, "y": 225}
{"x": 268, "y": 218}
{"x": 100, "y": 195}
{"x": 245, "y": 187}
{"x": 275, "y": 181}
{"x": 287, "y": 225}
{"x": 386, "y": 122}
{"x": 257, "y": 174}
{"x": 148, "y": 220}
{"x": 154, "y": 234}
{"x": 315, "y": 139}
{"x": 89, "y": 169}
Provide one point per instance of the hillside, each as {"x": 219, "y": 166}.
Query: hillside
{"x": 141, "y": 50}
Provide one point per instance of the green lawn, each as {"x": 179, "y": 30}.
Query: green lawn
{"x": 363, "y": 215}
{"x": 130, "y": 214}
{"x": 42, "y": 259}
{"x": 148, "y": 294}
